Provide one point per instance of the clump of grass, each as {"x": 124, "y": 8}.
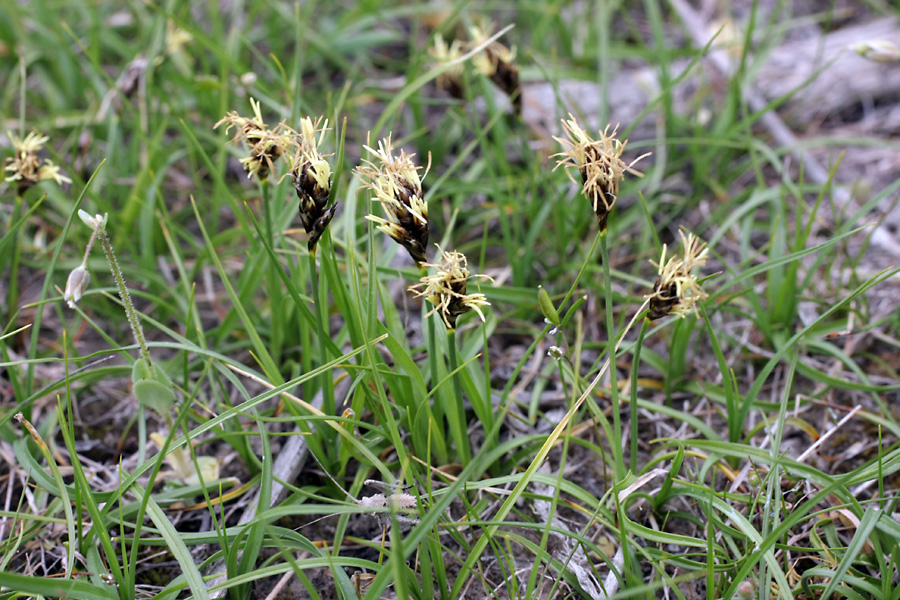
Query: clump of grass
{"x": 691, "y": 513}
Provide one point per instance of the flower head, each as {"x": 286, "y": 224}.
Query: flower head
{"x": 444, "y": 53}
{"x": 446, "y": 289}
{"x": 600, "y": 164}
{"x": 677, "y": 290}
{"x": 396, "y": 183}
{"x": 497, "y": 62}
{"x": 25, "y": 165}
{"x": 266, "y": 145}
{"x": 311, "y": 175}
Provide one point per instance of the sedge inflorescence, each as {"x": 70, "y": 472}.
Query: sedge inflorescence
{"x": 677, "y": 290}
{"x": 599, "y": 163}
{"x": 311, "y": 175}
{"x": 25, "y": 165}
{"x": 495, "y": 61}
{"x": 446, "y": 289}
{"x": 265, "y": 145}
{"x": 396, "y": 183}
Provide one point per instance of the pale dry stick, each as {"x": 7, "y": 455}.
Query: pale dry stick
{"x": 284, "y": 579}
{"x": 829, "y": 433}
{"x": 771, "y": 121}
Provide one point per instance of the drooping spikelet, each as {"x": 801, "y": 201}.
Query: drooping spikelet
{"x": 266, "y": 145}
{"x": 25, "y": 164}
{"x": 677, "y": 290}
{"x": 600, "y": 164}
{"x": 311, "y": 175}
{"x": 446, "y": 289}
{"x": 396, "y": 183}
{"x": 497, "y": 62}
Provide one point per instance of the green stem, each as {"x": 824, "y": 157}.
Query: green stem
{"x": 267, "y": 210}
{"x": 12, "y": 295}
{"x": 633, "y": 405}
{"x": 616, "y": 444}
{"x": 328, "y": 402}
{"x": 436, "y": 414}
{"x": 459, "y": 422}
{"x": 581, "y": 272}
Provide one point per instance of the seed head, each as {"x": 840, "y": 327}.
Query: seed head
{"x": 497, "y": 62}
{"x": 446, "y": 289}
{"x": 396, "y": 183}
{"x": 600, "y": 164}
{"x": 677, "y": 290}
{"x": 25, "y": 164}
{"x": 266, "y": 145}
{"x": 311, "y": 175}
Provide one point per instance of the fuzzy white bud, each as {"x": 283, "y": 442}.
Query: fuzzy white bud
{"x": 94, "y": 222}
{"x": 77, "y": 283}
{"x": 878, "y": 51}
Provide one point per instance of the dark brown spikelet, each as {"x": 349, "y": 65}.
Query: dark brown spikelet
{"x": 397, "y": 185}
{"x": 265, "y": 145}
{"x": 663, "y": 301}
{"x": 677, "y": 291}
{"x": 311, "y": 175}
{"x": 599, "y": 163}
{"x": 497, "y": 62}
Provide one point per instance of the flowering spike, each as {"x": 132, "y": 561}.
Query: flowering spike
{"x": 446, "y": 289}
{"x": 443, "y": 53}
{"x": 266, "y": 145}
{"x": 599, "y": 163}
{"x": 25, "y": 165}
{"x": 497, "y": 62}
{"x": 311, "y": 175}
{"x": 677, "y": 290}
{"x": 396, "y": 183}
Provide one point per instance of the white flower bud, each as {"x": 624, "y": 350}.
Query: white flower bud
{"x": 77, "y": 283}
{"x": 878, "y": 51}
{"x": 94, "y": 222}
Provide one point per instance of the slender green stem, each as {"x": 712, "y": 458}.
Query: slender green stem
{"x": 633, "y": 404}
{"x": 616, "y": 444}
{"x": 126, "y": 299}
{"x": 319, "y": 297}
{"x": 581, "y": 271}
{"x": 267, "y": 211}
{"x": 12, "y": 294}
{"x": 435, "y": 414}
{"x": 460, "y": 433}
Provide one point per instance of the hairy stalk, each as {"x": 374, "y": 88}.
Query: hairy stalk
{"x": 130, "y": 313}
